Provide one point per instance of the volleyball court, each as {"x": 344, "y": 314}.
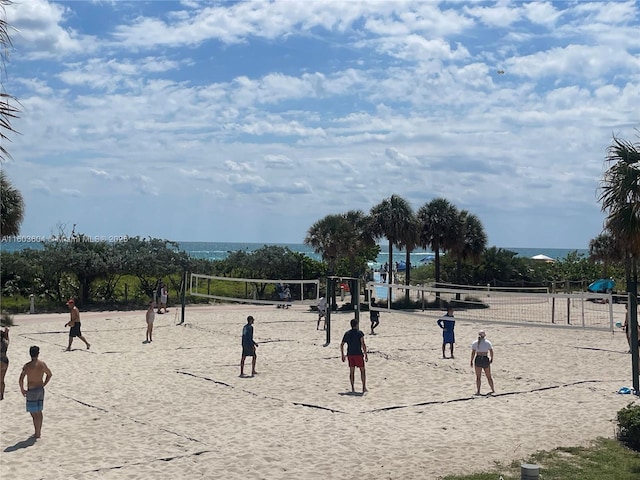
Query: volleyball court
{"x": 509, "y": 306}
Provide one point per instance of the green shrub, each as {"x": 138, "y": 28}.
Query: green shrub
{"x": 629, "y": 426}
{"x": 6, "y": 320}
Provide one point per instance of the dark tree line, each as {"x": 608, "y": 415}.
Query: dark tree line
{"x": 88, "y": 270}
{"x": 93, "y": 271}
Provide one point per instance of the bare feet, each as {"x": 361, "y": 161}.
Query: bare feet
{"x": 88, "y": 346}
{"x": 364, "y": 390}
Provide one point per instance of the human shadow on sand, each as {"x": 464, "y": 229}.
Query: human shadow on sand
{"x": 21, "y": 444}
{"x": 352, "y": 394}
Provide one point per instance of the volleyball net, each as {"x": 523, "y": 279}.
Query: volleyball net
{"x": 514, "y": 306}
{"x": 279, "y": 292}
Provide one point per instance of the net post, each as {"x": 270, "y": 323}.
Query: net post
{"x": 356, "y": 305}
{"x": 553, "y": 302}
{"x": 632, "y": 313}
{"x": 327, "y": 317}
{"x": 611, "y": 313}
{"x": 183, "y": 295}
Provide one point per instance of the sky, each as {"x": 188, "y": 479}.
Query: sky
{"x": 249, "y": 121}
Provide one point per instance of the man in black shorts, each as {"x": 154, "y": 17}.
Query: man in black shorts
{"x": 356, "y": 353}
{"x": 248, "y": 347}
{"x": 74, "y": 323}
{"x": 374, "y": 316}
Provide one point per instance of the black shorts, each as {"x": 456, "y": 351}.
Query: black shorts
{"x": 482, "y": 361}
{"x": 75, "y": 330}
{"x": 248, "y": 351}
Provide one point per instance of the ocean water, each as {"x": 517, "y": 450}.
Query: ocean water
{"x": 219, "y": 250}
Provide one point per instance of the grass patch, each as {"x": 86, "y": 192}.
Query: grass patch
{"x": 604, "y": 459}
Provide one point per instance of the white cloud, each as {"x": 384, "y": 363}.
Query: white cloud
{"x": 335, "y": 105}
{"x": 542, "y": 13}
{"x": 38, "y": 32}
{"x": 497, "y": 15}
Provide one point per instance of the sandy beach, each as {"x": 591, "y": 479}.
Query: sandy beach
{"x": 176, "y": 408}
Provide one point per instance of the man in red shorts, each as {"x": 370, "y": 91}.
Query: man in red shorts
{"x": 356, "y": 353}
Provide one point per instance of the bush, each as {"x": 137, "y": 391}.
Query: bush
{"x": 629, "y": 426}
{"x": 6, "y": 320}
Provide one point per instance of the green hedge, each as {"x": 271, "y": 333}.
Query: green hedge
{"x": 629, "y": 426}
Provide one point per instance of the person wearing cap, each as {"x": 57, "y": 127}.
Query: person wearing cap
{"x": 74, "y": 324}
{"x": 482, "y": 358}
{"x": 447, "y": 323}
{"x": 38, "y": 375}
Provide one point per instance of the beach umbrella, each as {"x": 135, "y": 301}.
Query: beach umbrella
{"x": 428, "y": 258}
{"x": 542, "y": 257}
{"x": 603, "y": 285}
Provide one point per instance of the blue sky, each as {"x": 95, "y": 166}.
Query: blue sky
{"x": 249, "y": 121}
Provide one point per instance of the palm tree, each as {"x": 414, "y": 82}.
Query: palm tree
{"x": 620, "y": 197}
{"x": 8, "y": 111}
{"x": 409, "y": 240}
{"x": 324, "y": 237}
{"x": 343, "y": 241}
{"x": 359, "y": 247}
{"x": 393, "y": 219}
{"x": 604, "y": 248}
{"x": 441, "y": 228}
{"x": 471, "y": 243}
{"x": 11, "y": 208}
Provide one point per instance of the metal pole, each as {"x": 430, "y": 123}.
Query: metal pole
{"x": 184, "y": 296}
{"x": 632, "y": 313}
{"x": 327, "y": 321}
{"x": 356, "y": 305}
{"x": 633, "y": 325}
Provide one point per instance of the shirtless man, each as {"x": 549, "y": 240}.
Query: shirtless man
{"x": 74, "y": 323}
{"x": 38, "y": 375}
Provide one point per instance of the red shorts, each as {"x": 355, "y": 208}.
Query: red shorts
{"x": 356, "y": 360}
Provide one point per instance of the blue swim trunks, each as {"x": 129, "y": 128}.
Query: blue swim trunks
{"x": 35, "y": 399}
